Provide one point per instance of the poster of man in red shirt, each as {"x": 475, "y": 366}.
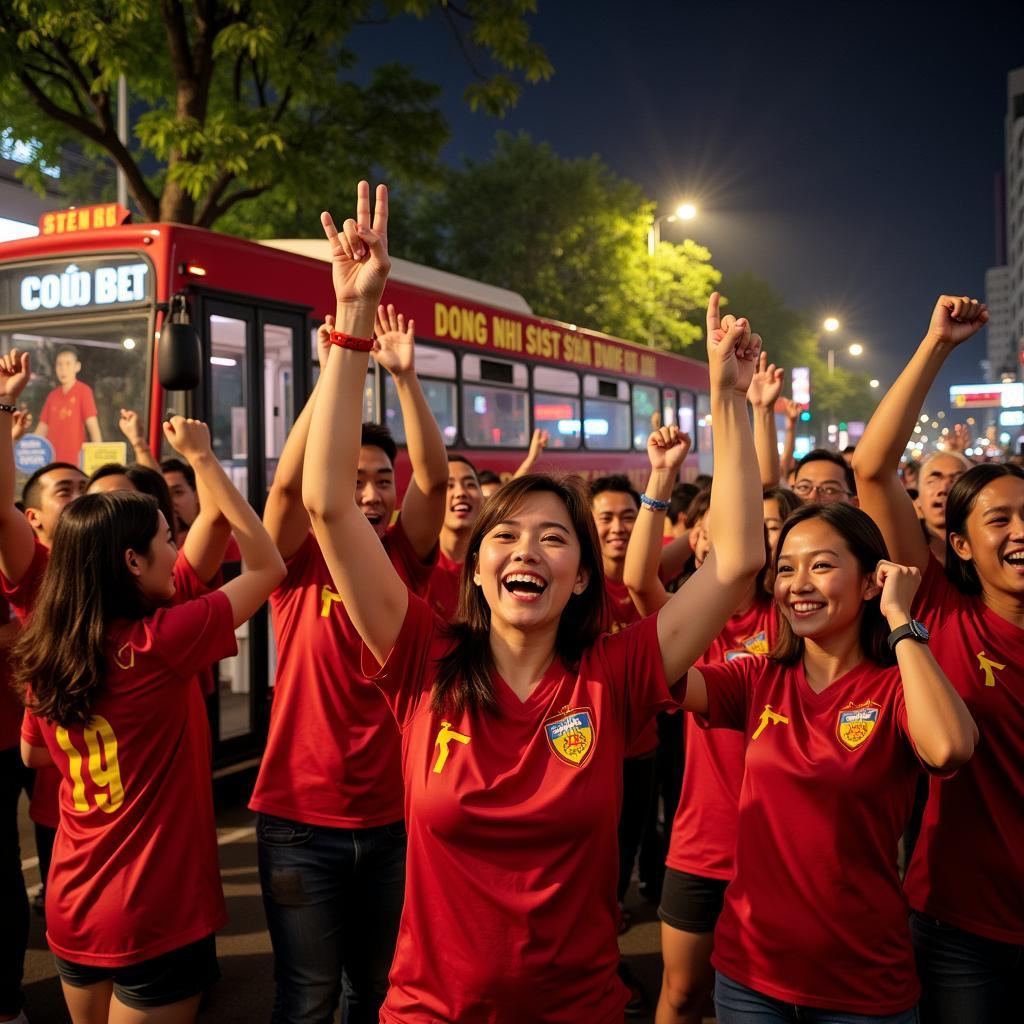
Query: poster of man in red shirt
{"x": 69, "y": 412}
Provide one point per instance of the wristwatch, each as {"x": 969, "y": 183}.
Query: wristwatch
{"x": 914, "y": 629}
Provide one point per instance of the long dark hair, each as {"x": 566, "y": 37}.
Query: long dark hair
{"x": 61, "y": 652}
{"x": 959, "y": 505}
{"x": 865, "y": 541}
{"x": 464, "y": 673}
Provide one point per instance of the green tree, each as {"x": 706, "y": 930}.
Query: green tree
{"x": 243, "y": 100}
{"x": 568, "y": 235}
{"x": 790, "y": 340}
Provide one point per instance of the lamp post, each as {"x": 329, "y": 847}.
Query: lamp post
{"x": 684, "y": 211}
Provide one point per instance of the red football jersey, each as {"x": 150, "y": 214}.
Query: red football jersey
{"x": 333, "y": 756}
{"x": 704, "y": 828}
{"x": 619, "y": 612}
{"x": 10, "y": 703}
{"x": 968, "y": 865}
{"x": 814, "y": 914}
{"x": 510, "y": 911}
{"x": 135, "y": 871}
{"x": 442, "y": 592}
{"x": 65, "y": 413}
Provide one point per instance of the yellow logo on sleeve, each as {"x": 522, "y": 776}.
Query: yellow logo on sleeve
{"x": 327, "y": 598}
{"x": 774, "y": 717}
{"x": 989, "y": 667}
{"x": 445, "y": 735}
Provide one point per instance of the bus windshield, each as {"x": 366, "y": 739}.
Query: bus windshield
{"x": 84, "y": 372}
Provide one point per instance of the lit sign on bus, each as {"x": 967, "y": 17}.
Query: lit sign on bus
{"x": 83, "y": 218}
{"x": 461, "y": 323}
{"x": 987, "y": 396}
{"x": 70, "y": 287}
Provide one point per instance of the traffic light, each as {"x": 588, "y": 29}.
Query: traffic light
{"x": 805, "y": 415}
{"x": 842, "y": 426}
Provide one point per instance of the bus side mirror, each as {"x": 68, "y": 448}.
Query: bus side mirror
{"x": 179, "y": 357}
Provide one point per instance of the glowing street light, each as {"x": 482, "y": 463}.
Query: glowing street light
{"x": 684, "y": 211}
{"x": 856, "y": 349}
{"x": 874, "y": 383}
{"x": 831, "y": 324}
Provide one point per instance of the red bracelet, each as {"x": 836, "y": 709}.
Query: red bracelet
{"x": 343, "y": 340}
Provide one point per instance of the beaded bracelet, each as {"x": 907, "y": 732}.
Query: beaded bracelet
{"x": 4, "y": 407}
{"x": 654, "y": 504}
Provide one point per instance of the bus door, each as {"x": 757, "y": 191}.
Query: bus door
{"x": 257, "y": 357}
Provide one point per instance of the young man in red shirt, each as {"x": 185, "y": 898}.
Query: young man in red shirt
{"x": 69, "y": 412}
{"x": 331, "y": 832}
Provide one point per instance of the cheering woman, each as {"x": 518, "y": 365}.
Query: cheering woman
{"x": 515, "y": 718}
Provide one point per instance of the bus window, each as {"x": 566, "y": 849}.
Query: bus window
{"x": 494, "y": 415}
{"x": 668, "y": 407}
{"x": 686, "y": 415}
{"x": 83, "y": 374}
{"x": 556, "y": 406}
{"x": 704, "y": 423}
{"x": 606, "y": 420}
{"x": 278, "y": 393}
{"x": 646, "y": 414}
{"x": 431, "y": 363}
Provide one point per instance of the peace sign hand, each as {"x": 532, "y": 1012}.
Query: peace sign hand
{"x": 957, "y": 318}
{"x": 359, "y": 253}
{"x": 732, "y": 350}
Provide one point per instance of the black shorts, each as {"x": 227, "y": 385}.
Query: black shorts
{"x": 168, "y": 978}
{"x": 691, "y": 903}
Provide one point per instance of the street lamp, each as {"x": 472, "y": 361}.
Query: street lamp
{"x": 684, "y": 211}
{"x": 873, "y": 383}
{"x": 831, "y": 324}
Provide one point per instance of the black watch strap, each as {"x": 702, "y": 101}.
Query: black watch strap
{"x": 912, "y": 629}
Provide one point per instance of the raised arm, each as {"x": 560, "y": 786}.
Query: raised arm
{"x": 538, "y": 443}
{"x": 787, "y": 463}
{"x": 938, "y": 721}
{"x": 132, "y": 430}
{"x": 877, "y": 458}
{"x": 208, "y": 536}
{"x": 666, "y": 451}
{"x": 695, "y": 615}
{"x": 763, "y": 393}
{"x": 423, "y": 503}
{"x": 16, "y": 537}
{"x": 284, "y": 515}
{"x": 372, "y": 591}
{"x": 263, "y": 567}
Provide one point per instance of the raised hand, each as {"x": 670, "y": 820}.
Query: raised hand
{"x": 538, "y": 443}
{"x": 766, "y": 384}
{"x": 792, "y": 410}
{"x": 899, "y": 584}
{"x": 395, "y": 348}
{"x": 14, "y": 375}
{"x": 957, "y": 318}
{"x": 129, "y": 426}
{"x": 960, "y": 438}
{"x": 21, "y": 423}
{"x": 323, "y": 340}
{"x": 732, "y": 350}
{"x": 667, "y": 448}
{"x": 189, "y": 438}
{"x": 359, "y": 253}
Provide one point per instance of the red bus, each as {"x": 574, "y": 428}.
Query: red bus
{"x": 89, "y": 298}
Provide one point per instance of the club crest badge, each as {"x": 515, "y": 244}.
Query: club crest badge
{"x": 571, "y": 735}
{"x": 856, "y": 723}
{"x": 758, "y": 643}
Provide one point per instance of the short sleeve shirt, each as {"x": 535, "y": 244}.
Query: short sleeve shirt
{"x": 510, "y": 911}
{"x": 968, "y": 865}
{"x": 135, "y": 870}
{"x": 333, "y": 755}
{"x": 65, "y": 413}
{"x": 703, "y": 839}
{"x": 814, "y": 914}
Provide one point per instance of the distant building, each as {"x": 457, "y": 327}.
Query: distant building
{"x": 1001, "y": 342}
{"x": 1014, "y": 221}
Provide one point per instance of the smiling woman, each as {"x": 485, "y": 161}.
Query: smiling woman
{"x": 516, "y": 717}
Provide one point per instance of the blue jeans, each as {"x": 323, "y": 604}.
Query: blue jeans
{"x": 737, "y": 1004}
{"x": 333, "y": 899}
{"x": 965, "y": 977}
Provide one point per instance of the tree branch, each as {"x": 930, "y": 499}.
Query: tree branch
{"x": 467, "y": 56}
{"x": 217, "y": 211}
{"x": 210, "y": 202}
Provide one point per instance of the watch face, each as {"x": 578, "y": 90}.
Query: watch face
{"x": 919, "y": 630}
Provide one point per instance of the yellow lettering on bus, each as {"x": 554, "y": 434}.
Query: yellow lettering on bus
{"x": 648, "y": 366}
{"x": 49, "y": 224}
{"x": 508, "y": 334}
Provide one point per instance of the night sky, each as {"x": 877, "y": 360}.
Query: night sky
{"x": 843, "y": 151}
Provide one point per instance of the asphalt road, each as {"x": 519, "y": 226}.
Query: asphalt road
{"x": 245, "y": 992}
